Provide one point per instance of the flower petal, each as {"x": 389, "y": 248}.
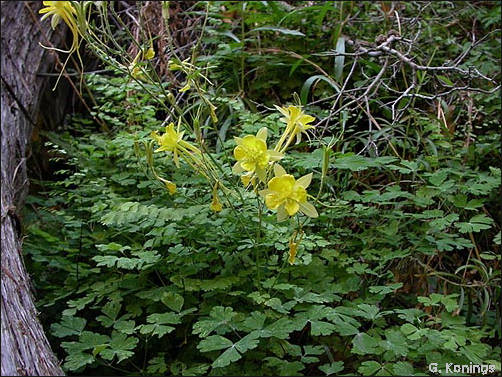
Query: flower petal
{"x": 273, "y": 201}
{"x": 261, "y": 173}
{"x": 262, "y": 134}
{"x": 291, "y": 206}
{"x": 305, "y": 180}
{"x": 237, "y": 168}
{"x": 274, "y": 155}
{"x": 248, "y": 165}
{"x": 239, "y": 152}
{"x": 283, "y": 184}
{"x": 264, "y": 192}
{"x": 279, "y": 170}
{"x": 308, "y": 209}
{"x": 281, "y": 214}
{"x": 283, "y": 111}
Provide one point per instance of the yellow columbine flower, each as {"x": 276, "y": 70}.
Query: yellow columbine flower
{"x": 185, "y": 88}
{"x": 172, "y": 141}
{"x": 149, "y": 54}
{"x": 288, "y": 195}
{"x": 293, "y": 249}
{"x": 136, "y": 72}
{"x": 297, "y": 122}
{"x": 216, "y": 205}
{"x": 62, "y": 10}
{"x": 253, "y": 156}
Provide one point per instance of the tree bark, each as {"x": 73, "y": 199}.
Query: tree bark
{"x": 25, "y": 349}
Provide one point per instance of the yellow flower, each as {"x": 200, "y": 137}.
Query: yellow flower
{"x": 293, "y": 249}
{"x": 253, "y": 156}
{"x": 170, "y": 186}
{"x": 297, "y": 122}
{"x": 62, "y": 10}
{"x": 149, "y": 54}
{"x": 248, "y": 178}
{"x": 170, "y": 141}
{"x": 288, "y": 195}
{"x": 136, "y": 72}
{"x": 216, "y": 205}
{"x": 185, "y": 88}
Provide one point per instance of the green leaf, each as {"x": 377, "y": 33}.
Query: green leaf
{"x": 497, "y": 239}
{"x": 364, "y": 344}
{"x": 340, "y": 59}
{"x": 111, "y": 311}
{"x": 234, "y": 351}
{"x": 172, "y": 300}
{"x": 367, "y": 311}
{"x": 321, "y": 328}
{"x": 227, "y": 357}
{"x": 395, "y": 342}
{"x": 311, "y": 81}
{"x": 285, "y": 368}
{"x": 126, "y": 327}
{"x": 218, "y": 317}
{"x": 77, "y": 360}
{"x": 351, "y": 162}
{"x": 255, "y": 321}
{"x": 369, "y": 368}
{"x": 402, "y": 368}
{"x": 283, "y": 327}
{"x": 249, "y": 342}
{"x": 155, "y": 329}
{"x": 332, "y": 368}
{"x": 475, "y": 224}
{"x": 196, "y": 370}
{"x": 120, "y": 346}
{"x": 214, "y": 343}
{"x": 438, "y": 177}
{"x": 164, "y": 318}
{"x": 279, "y": 29}
{"x": 345, "y": 324}
{"x": 385, "y": 289}
{"x": 68, "y": 326}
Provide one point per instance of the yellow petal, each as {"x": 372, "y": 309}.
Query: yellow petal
{"x": 282, "y": 110}
{"x": 254, "y": 143}
{"x": 274, "y": 155}
{"x": 305, "y": 119}
{"x": 246, "y": 179}
{"x": 279, "y": 170}
{"x": 249, "y": 165}
{"x": 171, "y": 187}
{"x": 185, "y": 88}
{"x": 293, "y": 248}
{"x": 150, "y": 53}
{"x": 239, "y": 152}
{"x": 308, "y": 209}
{"x": 281, "y": 214}
{"x": 237, "y": 168}
{"x": 262, "y": 134}
{"x": 299, "y": 194}
{"x": 216, "y": 204}
{"x": 272, "y": 201}
{"x": 305, "y": 180}
{"x": 283, "y": 184}
{"x": 264, "y": 192}
{"x": 291, "y": 206}
{"x": 261, "y": 173}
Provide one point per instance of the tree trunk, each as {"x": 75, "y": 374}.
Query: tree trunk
{"x": 25, "y": 349}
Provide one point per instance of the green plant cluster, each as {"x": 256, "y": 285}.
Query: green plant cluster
{"x": 401, "y": 269}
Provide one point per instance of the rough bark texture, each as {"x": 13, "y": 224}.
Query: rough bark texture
{"x": 25, "y": 349}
